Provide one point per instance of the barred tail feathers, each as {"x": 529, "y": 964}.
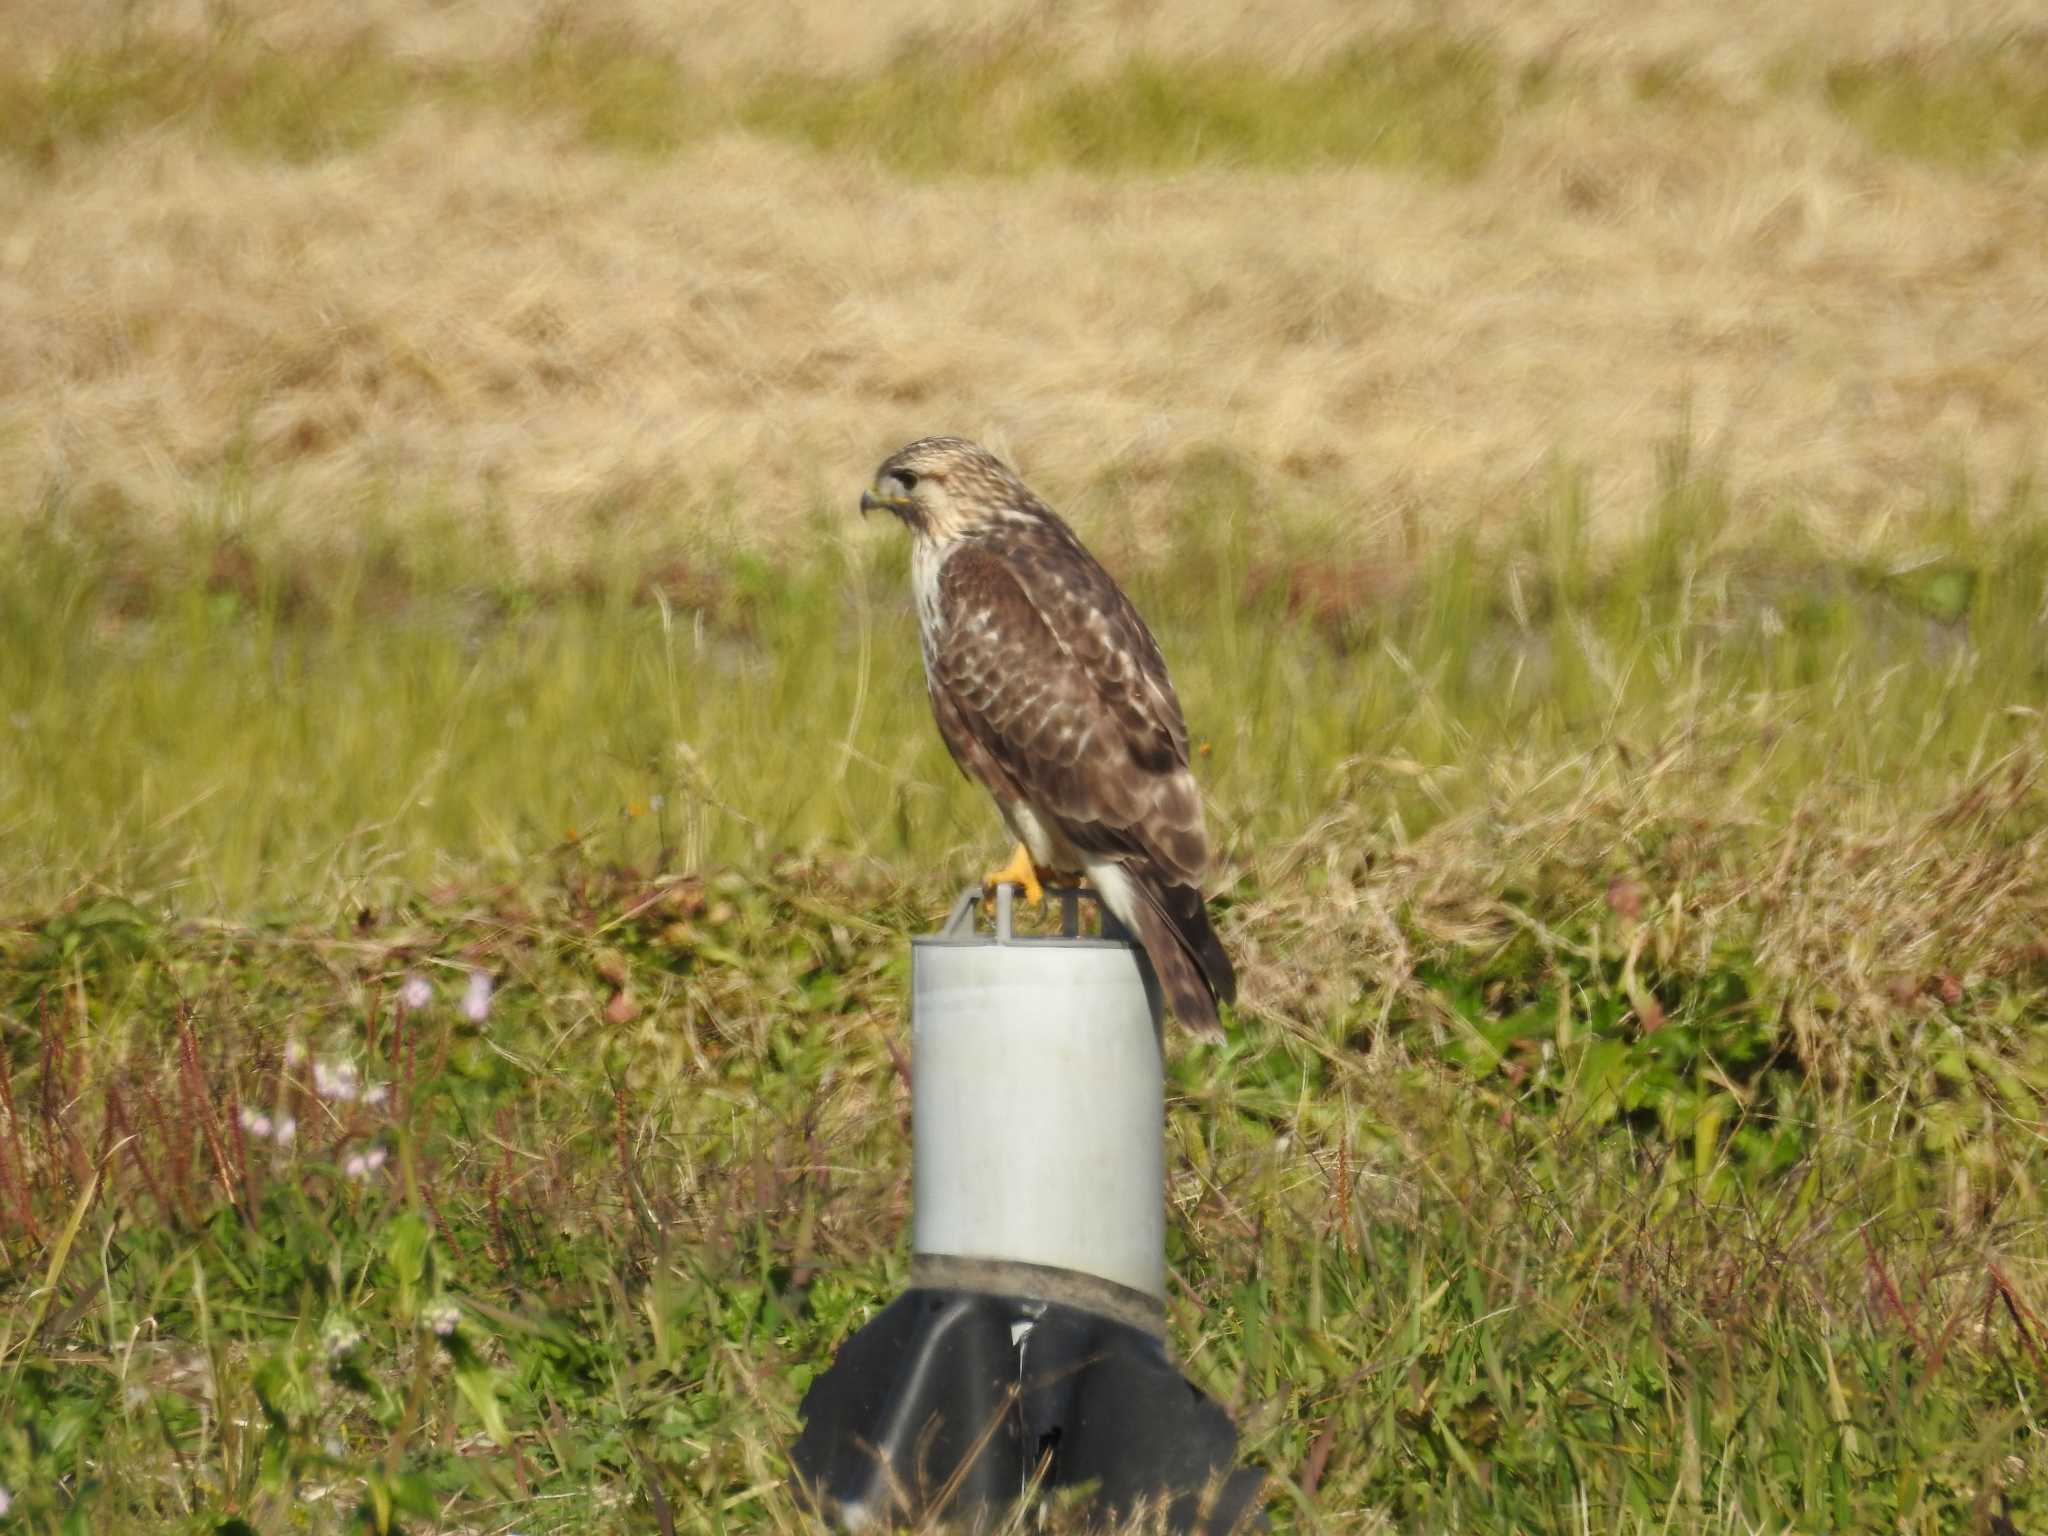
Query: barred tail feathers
{"x": 1172, "y": 924}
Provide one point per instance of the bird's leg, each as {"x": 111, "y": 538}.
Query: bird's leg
{"x": 1021, "y": 872}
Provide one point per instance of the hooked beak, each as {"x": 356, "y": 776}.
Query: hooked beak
{"x": 887, "y": 494}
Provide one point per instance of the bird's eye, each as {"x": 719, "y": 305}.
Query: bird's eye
{"x": 908, "y": 477}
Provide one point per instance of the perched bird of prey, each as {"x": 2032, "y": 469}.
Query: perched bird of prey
{"x": 1051, "y": 693}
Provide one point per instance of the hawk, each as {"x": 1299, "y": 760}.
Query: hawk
{"x": 1050, "y": 692}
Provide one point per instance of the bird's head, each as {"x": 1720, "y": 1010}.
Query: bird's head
{"x": 946, "y": 487}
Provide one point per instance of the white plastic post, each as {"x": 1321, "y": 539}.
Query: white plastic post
{"x": 1037, "y": 1114}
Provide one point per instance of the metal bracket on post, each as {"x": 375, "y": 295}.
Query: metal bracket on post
{"x": 1002, "y": 910}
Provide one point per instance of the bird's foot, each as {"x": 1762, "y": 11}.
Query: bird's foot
{"x": 1020, "y": 872}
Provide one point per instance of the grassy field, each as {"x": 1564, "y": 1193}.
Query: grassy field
{"x": 1632, "y": 1120}
{"x": 466, "y": 787}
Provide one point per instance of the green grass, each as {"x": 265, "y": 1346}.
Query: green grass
{"x": 1632, "y": 1122}
{"x": 1413, "y": 101}
{"x": 1417, "y": 101}
{"x": 243, "y": 720}
{"x": 1491, "y": 1309}
{"x": 290, "y": 106}
{"x": 1961, "y": 106}
{"x": 1425, "y": 101}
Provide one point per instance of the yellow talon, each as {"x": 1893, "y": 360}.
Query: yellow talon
{"x": 1020, "y": 871}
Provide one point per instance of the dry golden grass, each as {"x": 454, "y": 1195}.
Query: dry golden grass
{"x": 483, "y": 309}
{"x": 1735, "y": 43}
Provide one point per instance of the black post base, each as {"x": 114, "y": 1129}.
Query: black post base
{"x": 951, "y": 1402}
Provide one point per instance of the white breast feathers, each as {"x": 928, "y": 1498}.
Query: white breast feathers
{"x": 926, "y": 557}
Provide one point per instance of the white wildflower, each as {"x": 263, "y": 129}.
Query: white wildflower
{"x": 286, "y": 1129}
{"x": 339, "y": 1337}
{"x": 476, "y": 998}
{"x": 376, "y": 1093}
{"x": 416, "y": 992}
{"x": 256, "y": 1123}
{"x": 338, "y": 1082}
{"x": 6, "y": 1501}
{"x": 374, "y": 1158}
{"x": 442, "y": 1318}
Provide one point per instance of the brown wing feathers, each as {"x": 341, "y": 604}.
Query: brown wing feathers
{"x": 1049, "y": 678}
